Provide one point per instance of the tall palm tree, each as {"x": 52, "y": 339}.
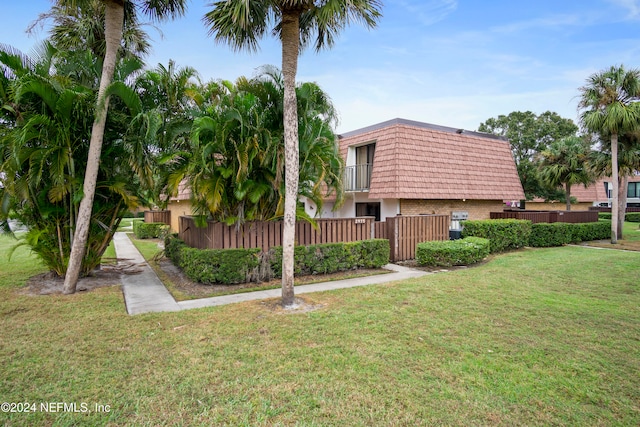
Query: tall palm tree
{"x": 241, "y": 23}
{"x": 81, "y": 27}
{"x": 564, "y": 162}
{"x": 44, "y": 138}
{"x": 611, "y": 105}
{"x": 628, "y": 165}
{"x": 114, "y": 20}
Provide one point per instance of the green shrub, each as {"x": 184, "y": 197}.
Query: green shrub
{"x": 228, "y": 266}
{"x": 149, "y": 230}
{"x": 560, "y": 233}
{"x": 504, "y": 234}
{"x": 546, "y": 235}
{"x": 452, "y": 252}
{"x": 328, "y": 258}
{"x": 629, "y": 216}
{"x": 374, "y": 253}
{"x": 588, "y": 231}
{"x": 632, "y": 217}
{"x": 173, "y": 248}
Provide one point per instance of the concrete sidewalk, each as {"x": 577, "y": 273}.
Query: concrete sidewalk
{"x": 145, "y": 293}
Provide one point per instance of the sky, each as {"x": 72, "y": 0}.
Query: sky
{"x": 453, "y": 63}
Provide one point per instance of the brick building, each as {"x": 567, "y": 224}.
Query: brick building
{"x": 403, "y": 167}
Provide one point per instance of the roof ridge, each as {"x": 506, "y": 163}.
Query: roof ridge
{"x": 423, "y": 125}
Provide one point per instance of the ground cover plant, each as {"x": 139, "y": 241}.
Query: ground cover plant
{"x": 534, "y": 337}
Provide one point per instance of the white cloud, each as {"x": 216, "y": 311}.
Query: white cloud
{"x": 429, "y": 12}
{"x": 550, "y": 22}
{"x": 632, "y": 6}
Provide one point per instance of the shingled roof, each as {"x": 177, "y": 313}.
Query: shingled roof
{"x": 593, "y": 193}
{"x": 415, "y": 160}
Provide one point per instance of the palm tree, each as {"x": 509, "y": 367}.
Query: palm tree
{"x": 297, "y": 23}
{"x": 80, "y": 27}
{"x": 628, "y": 165}
{"x": 168, "y": 95}
{"x": 44, "y": 138}
{"x": 564, "y": 162}
{"x": 610, "y": 103}
{"x": 114, "y": 20}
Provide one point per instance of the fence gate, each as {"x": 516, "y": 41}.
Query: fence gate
{"x": 405, "y": 232}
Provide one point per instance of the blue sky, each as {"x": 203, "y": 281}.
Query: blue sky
{"x": 447, "y": 62}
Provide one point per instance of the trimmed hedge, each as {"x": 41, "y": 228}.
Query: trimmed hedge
{"x": 149, "y": 230}
{"x": 328, "y": 258}
{"x": 504, "y": 234}
{"x": 629, "y": 216}
{"x": 587, "y": 231}
{"x": 550, "y": 234}
{"x": 453, "y": 252}
{"x": 229, "y": 266}
{"x": 632, "y": 216}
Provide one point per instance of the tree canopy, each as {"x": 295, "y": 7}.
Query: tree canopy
{"x": 530, "y": 134}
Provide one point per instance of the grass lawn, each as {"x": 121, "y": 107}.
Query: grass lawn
{"x": 534, "y": 337}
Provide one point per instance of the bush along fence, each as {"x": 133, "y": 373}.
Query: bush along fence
{"x": 547, "y": 216}
{"x": 469, "y": 250}
{"x": 402, "y": 232}
{"x": 500, "y": 235}
{"x": 230, "y": 266}
{"x": 506, "y": 234}
{"x": 629, "y": 216}
{"x": 150, "y": 230}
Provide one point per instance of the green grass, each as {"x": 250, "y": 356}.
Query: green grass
{"x": 534, "y": 337}
{"x": 128, "y": 222}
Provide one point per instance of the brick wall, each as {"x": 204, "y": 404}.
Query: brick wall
{"x": 478, "y": 209}
{"x": 556, "y": 206}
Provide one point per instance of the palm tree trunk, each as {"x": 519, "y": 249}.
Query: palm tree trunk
{"x": 114, "y": 17}
{"x": 614, "y": 179}
{"x": 622, "y": 203}
{"x": 568, "y": 197}
{"x": 290, "y": 51}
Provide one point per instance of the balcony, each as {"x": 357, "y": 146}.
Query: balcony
{"x": 358, "y": 177}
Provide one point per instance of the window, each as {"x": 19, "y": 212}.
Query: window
{"x": 633, "y": 190}
{"x": 358, "y": 176}
{"x": 368, "y": 209}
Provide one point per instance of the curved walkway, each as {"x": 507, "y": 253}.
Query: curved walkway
{"x": 145, "y": 293}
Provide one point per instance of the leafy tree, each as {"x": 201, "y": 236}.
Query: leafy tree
{"x": 565, "y": 163}
{"x": 234, "y": 165}
{"x": 114, "y": 20}
{"x": 297, "y": 23}
{"x": 169, "y": 96}
{"x": 529, "y": 134}
{"x": 44, "y": 139}
{"x": 610, "y": 106}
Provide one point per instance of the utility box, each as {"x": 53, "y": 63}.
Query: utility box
{"x": 456, "y": 219}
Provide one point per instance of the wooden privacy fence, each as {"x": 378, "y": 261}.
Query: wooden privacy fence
{"x": 548, "y": 216}
{"x": 158, "y": 216}
{"x": 266, "y": 234}
{"x": 404, "y": 233}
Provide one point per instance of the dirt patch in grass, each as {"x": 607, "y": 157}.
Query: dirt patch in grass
{"x": 51, "y": 284}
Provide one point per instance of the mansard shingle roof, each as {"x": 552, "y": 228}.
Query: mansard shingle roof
{"x": 415, "y": 160}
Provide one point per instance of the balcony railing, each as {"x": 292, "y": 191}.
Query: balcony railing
{"x": 358, "y": 177}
